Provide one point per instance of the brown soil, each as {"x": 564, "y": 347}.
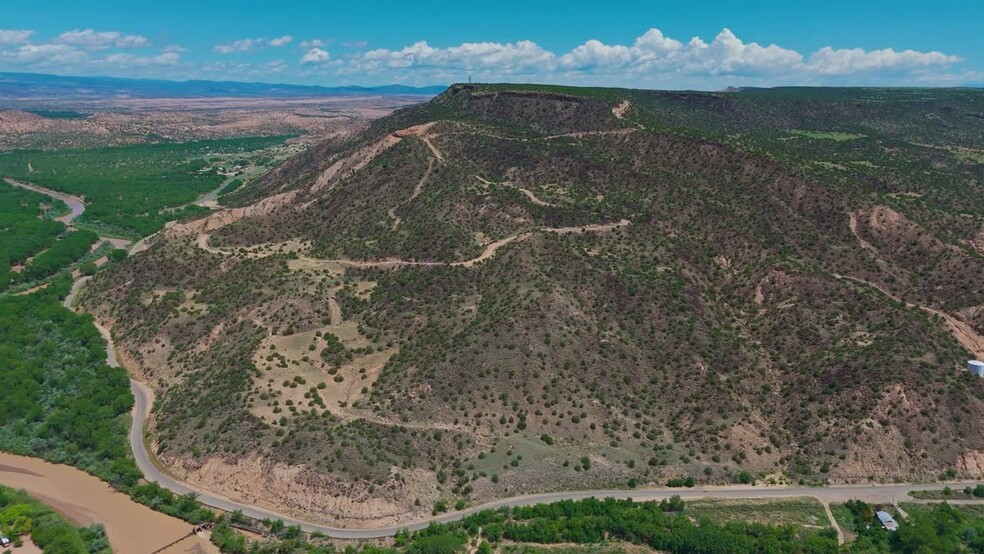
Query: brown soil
{"x": 619, "y": 111}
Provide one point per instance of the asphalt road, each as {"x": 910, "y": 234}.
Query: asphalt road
{"x": 876, "y": 493}
{"x": 144, "y": 399}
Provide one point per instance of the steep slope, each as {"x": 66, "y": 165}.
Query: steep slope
{"x": 511, "y": 289}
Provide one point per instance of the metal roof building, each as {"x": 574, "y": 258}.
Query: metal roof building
{"x": 887, "y": 520}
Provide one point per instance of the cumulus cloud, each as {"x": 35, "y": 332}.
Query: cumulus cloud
{"x": 236, "y": 46}
{"x": 89, "y": 39}
{"x": 15, "y": 36}
{"x": 315, "y": 55}
{"x": 251, "y": 44}
{"x": 122, "y": 60}
{"x": 651, "y": 59}
{"x": 505, "y": 58}
{"x": 655, "y": 53}
{"x": 828, "y": 61}
{"x": 651, "y": 56}
{"x": 47, "y": 54}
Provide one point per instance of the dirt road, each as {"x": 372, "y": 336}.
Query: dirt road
{"x": 75, "y": 204}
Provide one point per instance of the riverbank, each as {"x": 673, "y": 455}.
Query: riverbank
{"x": 86, "y": 500}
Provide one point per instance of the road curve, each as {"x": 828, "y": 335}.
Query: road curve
{"x": 144, "y": 398}
{"x": 880, "y": 493}
{"x": 75, "y": 204}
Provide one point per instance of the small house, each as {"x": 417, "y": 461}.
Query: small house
{"x": 4, "y": 542}
{"x": 887, "y": 520}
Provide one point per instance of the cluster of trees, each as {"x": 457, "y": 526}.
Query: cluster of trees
{"x": 23, "y": 233}
{"x": 62, "y": 253}
{"x": 184, "y": 506}
{"x": 127, "y": 187}
{"x": 934, "y": 528}
{"x": 21, "y": 515}
{"x": 58, "y": 398}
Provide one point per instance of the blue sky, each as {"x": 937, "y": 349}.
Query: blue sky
{"x": 705, "y": 45}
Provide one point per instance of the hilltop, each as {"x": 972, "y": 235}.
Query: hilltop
{"x": 517, "y": 288}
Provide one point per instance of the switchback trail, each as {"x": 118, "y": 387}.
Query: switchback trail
{"x": 489, "y": 251}
{"x": 143, "y": 396}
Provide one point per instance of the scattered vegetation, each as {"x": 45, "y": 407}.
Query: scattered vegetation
{"x": 21, "y": 516}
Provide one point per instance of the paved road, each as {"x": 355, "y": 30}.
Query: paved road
{"x": 876, "y": 493}
{"x": 889, "y": 493}
{"x": 144, "y": 399}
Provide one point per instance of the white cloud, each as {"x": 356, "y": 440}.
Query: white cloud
{"x": 47, "y": 54}
{"x": 93, "y": 40}
{"x": 315, "y": 55}
{"x": 242, "y": 45}
{"x": 122, "y": 60}
{"x": 506, "y": 58}
{"x": 828, "y": 61}
{"x": 251, "y": 44}
{"x": 356, "y": 44}
{"x": 655, "y": 53}
{"x": 11, "y": 36}
{"x": 651, "y": 57}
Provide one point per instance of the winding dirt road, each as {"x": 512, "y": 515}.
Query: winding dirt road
{"x": 75, "y": 204}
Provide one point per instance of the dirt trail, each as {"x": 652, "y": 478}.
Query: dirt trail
{"x": 417, "y": 189}
{"x": 334, "y": 311}
{"x": 583, "y": 134}
{"x": 619, "y": 111}
{"x": 490, "y": 249}
{"x": 529, "y": 194}
{"x": 437, "y": 153}
{"x": 962, "y": 331}
{"x": 852, "y": 224}
{"x": 833, "y": 521}
{"x": 592, "y": 228}
{"x": 85, "y": 500}
{"x": 351, "y": 164}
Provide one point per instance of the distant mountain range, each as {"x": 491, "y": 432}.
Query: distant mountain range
{"x": 37, "y": 85}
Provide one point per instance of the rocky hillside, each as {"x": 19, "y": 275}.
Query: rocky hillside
{"x": 518, "y": 288}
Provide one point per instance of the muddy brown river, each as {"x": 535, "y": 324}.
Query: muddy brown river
{"x": 132, "y": 528}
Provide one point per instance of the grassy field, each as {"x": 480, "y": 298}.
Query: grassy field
{"x": 806, "y": 512}
{"x": 825, "y": 135}
{"x": 950, "y": 494}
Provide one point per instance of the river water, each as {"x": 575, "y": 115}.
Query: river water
{"x": 84, "y": 500}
